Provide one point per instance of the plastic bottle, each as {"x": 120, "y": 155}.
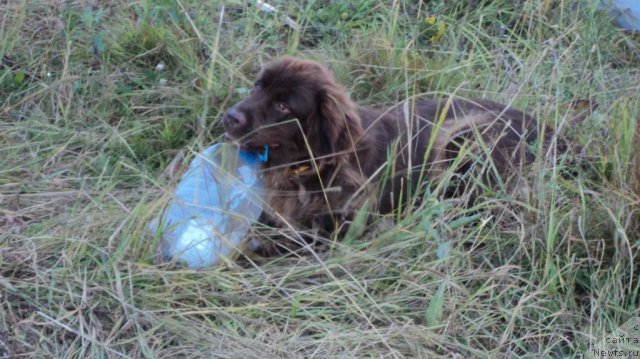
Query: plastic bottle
{"x": 217, "y": 200}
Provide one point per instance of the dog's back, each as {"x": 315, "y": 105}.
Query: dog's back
{"x": 416, "y": 141}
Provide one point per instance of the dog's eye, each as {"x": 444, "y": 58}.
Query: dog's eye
{"x": 282, "y": 107}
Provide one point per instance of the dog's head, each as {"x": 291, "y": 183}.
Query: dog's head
{"x": 298, "y": 110}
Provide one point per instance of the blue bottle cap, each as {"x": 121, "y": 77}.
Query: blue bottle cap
{"x": 253, "y": 157}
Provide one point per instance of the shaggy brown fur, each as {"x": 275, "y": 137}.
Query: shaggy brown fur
{"x": 329, "y": 156}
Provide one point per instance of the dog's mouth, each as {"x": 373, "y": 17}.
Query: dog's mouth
{"x": 251, "y": 144}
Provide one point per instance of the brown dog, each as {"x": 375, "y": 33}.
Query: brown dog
{"x": 327, "y": 156}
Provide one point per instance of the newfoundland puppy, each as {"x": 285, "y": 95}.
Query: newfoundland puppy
{"x": 328, "y": 157}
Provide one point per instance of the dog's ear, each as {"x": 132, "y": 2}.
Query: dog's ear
{"x": 336, "y": 127}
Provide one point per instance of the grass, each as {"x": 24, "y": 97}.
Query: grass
{"x": 98, "y": 98}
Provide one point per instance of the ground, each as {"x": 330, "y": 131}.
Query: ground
{"x": 98, "y": 97}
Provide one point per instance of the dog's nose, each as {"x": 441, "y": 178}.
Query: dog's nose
{"x": 234, "y": 119}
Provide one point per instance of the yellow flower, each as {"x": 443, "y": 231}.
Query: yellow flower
{"x": 430, "y": 20}
{"x": 442, "y": 28}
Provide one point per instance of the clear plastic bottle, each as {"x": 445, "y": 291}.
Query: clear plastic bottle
{"x": 217, "y": 200}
